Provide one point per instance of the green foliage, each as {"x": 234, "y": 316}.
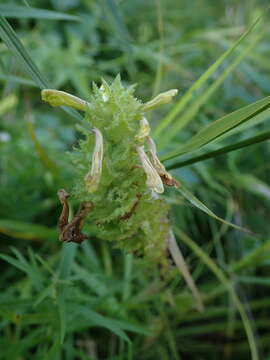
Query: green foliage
{"x": 94, "y": 301}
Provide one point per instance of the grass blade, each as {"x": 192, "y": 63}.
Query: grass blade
{"x": 23, "y": 12}
{"x": 198, "y": 204}
{"x": 14, "y": 44}
{"x": 225, "y": 281}
{"x": 263, "y": 136}
{"x": 202, "y": 80}
{"x": 117, "y": 20}
{"x": 68, "y": 255}
{"x": 22, "y": 230}
{"x": 221, "y": 126}
{"x": 180, "y": 263}
{"x": 194, "y": 108}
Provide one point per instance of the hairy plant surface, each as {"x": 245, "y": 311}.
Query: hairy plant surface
{"x": 114, "y": 177}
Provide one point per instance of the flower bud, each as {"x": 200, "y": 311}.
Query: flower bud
{"x": 61, "y": 98}
{"x": 144, "y": 129}
{"x": 163, "y": 98}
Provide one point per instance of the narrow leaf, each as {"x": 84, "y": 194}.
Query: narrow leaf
{"x": 221, "y": 126}
{"x": 15, "y": 11}
{"x": 14, "y": 44}
{"x": 193, "y": 109}
{"x": 225, "y": 281}
{"x": 263, "y": 136}
{"x": 26, "y": 231}
{"x": 198, "y": 204}
{"x": 202, "y": 80}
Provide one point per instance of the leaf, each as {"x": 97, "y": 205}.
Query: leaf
{"x": 225, "y": 281}
{"x": 22, "y": 264}
{"x": 17, "y": 79}
{"x": 263, "y": 136}
{"x": 26, "y": 231}
{"x": 117, "y": 20}
{"x": 8, "y": 103}
{"x": 43, "y": 156}
{"x": 68, "y": 254}
{"x": 14, "y": 44}
{"x": 221, "y": 126}
{"x": 180, "y": 263}
{"x": 202, "y": 80}
{"x": 198, "y": 204}
{"x": 253, "y": 258}
{"x": 15, "y": 11}
{"x": 116, "y": 326}
{"x": 62, "y": 311}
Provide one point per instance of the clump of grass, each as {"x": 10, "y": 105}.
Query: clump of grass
{"x": 94, "y": 300}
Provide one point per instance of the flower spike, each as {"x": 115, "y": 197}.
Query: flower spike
{"x": 153, "y": 180}
{"x": 61, "y": 98}
{"x": 92, "y": 178}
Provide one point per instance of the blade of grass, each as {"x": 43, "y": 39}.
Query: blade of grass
{"x": 12, "y": 41}
{"x": 117, "y": 20}
{"x": 18, "y": 12}
{"x": 68, "y": 255}
{"x": 221, "y": 126}
{"x": 194, "y": 108}
{"x": 21, "y": 230}
{"x": 202, "y": 80}
{"x": 226, "y": 282}
{"x": 198, "y": 204}
{"x": 180, "y": 263}
{"x": 14, "y": 44}
{"x": 263, "y": 136}
{"x": 253, "y": 258}
{"x": 8, "y": 103}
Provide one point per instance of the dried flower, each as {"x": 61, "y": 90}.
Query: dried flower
{"x": 160, "y": 168}
{"x": 153, "y": 180}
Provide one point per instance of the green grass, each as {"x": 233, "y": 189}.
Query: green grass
{"x": 93, "y": 301}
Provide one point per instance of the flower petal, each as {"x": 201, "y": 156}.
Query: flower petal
{"x": 163, "y": 98}
{"x": 92, "y": 178}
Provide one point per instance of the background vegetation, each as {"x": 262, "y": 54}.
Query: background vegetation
{"x": 93, "y": 301}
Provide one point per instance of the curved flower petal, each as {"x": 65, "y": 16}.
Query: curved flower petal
{"x": 92, "y": 178}
{"x": 61, "y": 98}
{"x": 144, "y": 130}
{"x": 163, "y": 98}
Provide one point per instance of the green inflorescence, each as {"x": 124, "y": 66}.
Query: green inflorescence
{"x": 122, "y": 184}
{"x": 119, "y": 177}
